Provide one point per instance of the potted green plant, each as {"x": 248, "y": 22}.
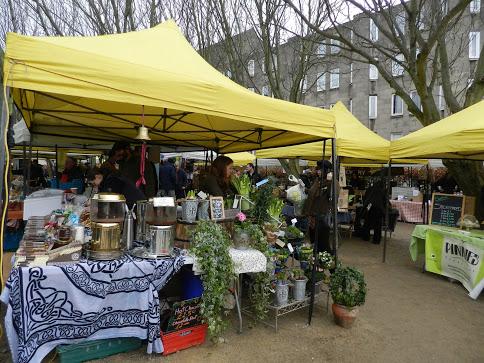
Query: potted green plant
{"x": 241, "y": 236}
{"x": 299, "y": 284}
{"x": 190, "y": 207}
{"x": 243, "y": 186}
{"x": 282, "y": 289}
{"x": 348, "y": 291}
{"x": 292, "y": 232}
{"x": 274, "y": 210}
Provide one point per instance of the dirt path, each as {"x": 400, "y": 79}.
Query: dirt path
{"x": 409, "y": 316}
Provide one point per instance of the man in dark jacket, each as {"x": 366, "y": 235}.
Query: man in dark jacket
{"x": 253, "y": 175}
{"x": 374, "y": 202}
{"x": 181, "y": 183}
{"x": 115, "y": 184}
{"x": 168, "y": 178}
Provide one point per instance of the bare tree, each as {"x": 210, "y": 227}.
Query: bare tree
{"x": 423, "y": 39}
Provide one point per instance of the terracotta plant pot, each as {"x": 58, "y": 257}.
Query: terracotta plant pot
{"x": 344, "y": 316}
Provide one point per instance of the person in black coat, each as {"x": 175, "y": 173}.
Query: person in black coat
{"x": 374, "y": 204}
{"x": 113, "y": 183}
{"x": 168, "y": 178}
{"x": 253, "y": 175}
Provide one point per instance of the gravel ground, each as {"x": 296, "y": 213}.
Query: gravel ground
{"x": 408, "y": 316}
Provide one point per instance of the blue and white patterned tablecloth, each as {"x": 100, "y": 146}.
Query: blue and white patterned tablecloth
{"x": 89, "y": 300}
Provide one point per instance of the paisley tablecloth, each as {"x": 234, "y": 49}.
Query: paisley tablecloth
{"x": 89, "y": 300}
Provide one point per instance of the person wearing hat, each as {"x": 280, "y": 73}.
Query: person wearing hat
{"x": 317, "y": 206}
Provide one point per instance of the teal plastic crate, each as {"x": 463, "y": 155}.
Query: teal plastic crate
{"x": 96, "y": 349}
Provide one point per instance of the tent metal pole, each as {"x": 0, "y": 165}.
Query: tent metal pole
{"x": 25, "y": 169}
{"x": 29, "y": 169}
{"x": 56, "y": 169}
{"x": 387, "y": 212}
{"x": 334, "y": 197}
{"x": 428, "y": 190}
{"x": 315, "y": 245}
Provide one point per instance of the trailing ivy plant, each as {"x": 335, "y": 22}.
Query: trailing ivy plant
{"x": 261, "y": 286}
{"x": 210, "y": 246}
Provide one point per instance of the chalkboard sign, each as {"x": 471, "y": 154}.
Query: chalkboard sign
{"x": 446, "y": 209}
{"x": 185, "y": 314}
{"x": 217, "y": 208}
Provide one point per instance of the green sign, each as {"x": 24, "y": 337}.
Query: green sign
{"x": 454, "y": 257}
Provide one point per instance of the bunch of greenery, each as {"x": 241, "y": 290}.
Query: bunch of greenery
{"x": 191, "y": 195}
{"x": 275, "y": 209}
{"x": 348, "y": 287}
{"x": 210, "y": 246}
{"x": 262, "y": 198}
{"x": 298, "y": 274}
{"x": 261, "y": 286}
{"x": 242, "y": 184}
{"x": 293, "y": 232}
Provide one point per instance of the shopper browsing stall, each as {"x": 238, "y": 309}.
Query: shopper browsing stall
{"x": 115, "y": 184}
{"x": 217, "y": 181}
{"x": 317, "y": 207}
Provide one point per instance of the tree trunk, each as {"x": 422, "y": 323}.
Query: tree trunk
{"x": 291, "y": 166}
{"x": 469, "y": 175}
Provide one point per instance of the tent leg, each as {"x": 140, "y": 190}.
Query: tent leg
{"x": 315, "y": 248}
{"x": 334, "y": 197}
{"x": 387, "y": 215}
{"x": 56, "y": 169}
{"x": 25, "y": 169}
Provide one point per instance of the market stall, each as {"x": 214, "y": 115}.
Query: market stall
{"x": 118, "y": 87}
{"x": 448, "y": 251}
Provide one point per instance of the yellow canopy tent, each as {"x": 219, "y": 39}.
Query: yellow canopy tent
{"x": 459, "y": 136}
{"x": 242, "y": 158}
{"x": 103, "y": 87}
{"x": 353, "y": 141}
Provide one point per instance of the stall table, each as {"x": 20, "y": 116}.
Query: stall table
{"x": 245, "y": 261}
{"x": 88, "y": 300}
{"x": 409, "y": 211}
{"x": 453, "y": 253}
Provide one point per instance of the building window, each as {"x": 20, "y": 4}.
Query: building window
{"x": 265, "y": 91}
{"x": 395, "y": 136}
{"x": 372, "y": 107}
{"x": 321, "y": 82}
{"x": 351, "y": 73}
{"x": 441, "y": 99}
{"x": 228, "y": 73}
{"x": 444, "y": 6}
{"x": 371, "y": 124}
{"x": 400, "y": 23}
{"x": 475, "y": 6}
{"x": 397, "y": 66}
{"x": 350, "y": 105}
{"x": 397, "y": 105}
{"x": 335, "y": 46}
{"x": 251, "y": 67}
{"x": 373, "y": 31}
{"x": 416, "y": 99}
{"x": 321, "y": 49}
{"x": 474, "y": 45}
{"x": 263, "y": 66}
{"x": 251, "y": 89}
{"x": 304, "y": 84}
{"x": 373, "y": 72}
{"x": 334, "y": 78}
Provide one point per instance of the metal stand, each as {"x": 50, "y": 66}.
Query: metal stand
{"x": 292, "y": 306}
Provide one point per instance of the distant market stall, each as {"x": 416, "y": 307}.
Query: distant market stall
{"x": 117, "y": 87}
{"x": 449, "y": 250}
